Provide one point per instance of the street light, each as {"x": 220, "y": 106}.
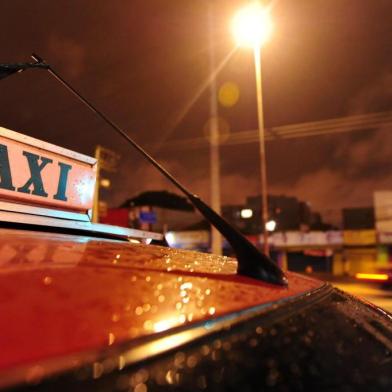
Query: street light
{"x": 252, "y": 27}
{"x": 270, "y": 225}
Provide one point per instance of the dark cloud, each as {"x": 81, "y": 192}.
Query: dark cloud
{"x": 375, "y": 97}
{"x": 366, "y": 157}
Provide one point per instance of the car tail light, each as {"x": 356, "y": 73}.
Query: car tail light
{"x": 377, "y": 277}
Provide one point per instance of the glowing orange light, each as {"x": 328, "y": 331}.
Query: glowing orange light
{"x": 252, "y": 25}
{"x": 372, "y": 276}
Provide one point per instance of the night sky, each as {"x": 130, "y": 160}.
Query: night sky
{"x": 142, "y": 62}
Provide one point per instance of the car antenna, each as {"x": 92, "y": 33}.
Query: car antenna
{"x": 251, "y": 262}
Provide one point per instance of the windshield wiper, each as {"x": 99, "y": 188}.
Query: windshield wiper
{"x": 251, "y": 262}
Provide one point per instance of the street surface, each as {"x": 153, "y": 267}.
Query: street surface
{"x": 381, "y": 298}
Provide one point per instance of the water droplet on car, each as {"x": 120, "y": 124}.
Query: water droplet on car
{"x": 111, "y": 338}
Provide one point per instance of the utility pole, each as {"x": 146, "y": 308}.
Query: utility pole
{"x": 216, "y": 239}
{"x": 263, "y": 160}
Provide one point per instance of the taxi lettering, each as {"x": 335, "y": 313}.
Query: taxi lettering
{"x": 34, "y": 185}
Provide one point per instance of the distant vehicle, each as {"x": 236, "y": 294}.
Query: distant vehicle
{"x": 90, "y": 307}
{"x": 381, "y": 277}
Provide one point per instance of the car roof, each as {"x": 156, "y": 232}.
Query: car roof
{"x": 67, "y": 293}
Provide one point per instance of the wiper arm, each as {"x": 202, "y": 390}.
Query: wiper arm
{"x": 251, "y": 262}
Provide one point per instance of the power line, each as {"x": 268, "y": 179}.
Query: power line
{"x": 308, "y": 129}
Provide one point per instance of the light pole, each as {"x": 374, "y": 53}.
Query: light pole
{"x": 216, "y": 239}
{"x": 252, "y": 27}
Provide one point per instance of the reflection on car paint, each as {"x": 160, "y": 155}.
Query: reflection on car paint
{"x": 322, "y": 346}
{"x": 126, "y": 289}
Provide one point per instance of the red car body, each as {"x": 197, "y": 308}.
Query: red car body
{"x": 67, "y": 295}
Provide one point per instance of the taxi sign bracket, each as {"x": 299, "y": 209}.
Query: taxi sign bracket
{"x": 40, "y": 211}
{"x": 67, "y": 225}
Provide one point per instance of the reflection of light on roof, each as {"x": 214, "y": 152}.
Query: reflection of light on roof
{"x": 85, "y": 188}
{"x": 170, "y": 238}
{"x": 186, "y": 285}
{"x": 163, "y": 325}
{"x": 372, "y": 276}
{"x": 159, "y": 346}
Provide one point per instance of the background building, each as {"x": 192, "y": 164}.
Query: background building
{"x": 158, "y": 211}
{"x": 287, "y": 212}
{"x": 300, "y": 240}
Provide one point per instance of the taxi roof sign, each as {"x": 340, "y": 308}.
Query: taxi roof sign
{"x": 40, "y": 174}
{"x": 47, "y": 185}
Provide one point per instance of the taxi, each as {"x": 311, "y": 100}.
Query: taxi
{"x": 93, "y": 307}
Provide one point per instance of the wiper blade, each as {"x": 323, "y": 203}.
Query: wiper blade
{"x": 251, "y": 262}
